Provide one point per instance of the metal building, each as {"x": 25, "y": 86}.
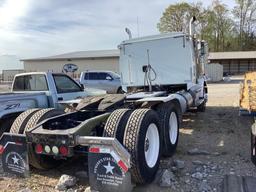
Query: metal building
{"x": 235, "y": 62}
{"x": 8, "y": 74}
{"x": 84, "y": 60}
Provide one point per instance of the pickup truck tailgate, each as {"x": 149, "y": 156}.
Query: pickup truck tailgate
{"x": 18, "y": 102}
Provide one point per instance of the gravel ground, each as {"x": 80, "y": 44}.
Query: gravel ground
{"x": 211, "y": 145}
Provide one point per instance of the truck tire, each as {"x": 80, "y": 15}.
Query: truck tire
{"x": 42, "y": 115}
{"x": 253, "y": 143}
{"x": 201, "y": 107}
{"x": 20, "y": 122}
{"x": 41, "y": 161}
{"x": 142, "y": 140}
{"x": 170, "y": 116}
{"x": 5, "y": 124}
{"x": 115, "y": 125}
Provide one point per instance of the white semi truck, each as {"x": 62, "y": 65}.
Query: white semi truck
{"x": 163, "y": 77}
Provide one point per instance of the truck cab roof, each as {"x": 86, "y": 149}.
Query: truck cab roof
{"x": 154, "y": 37}
{"x": 98, "y": 71}
{"x": 35, "y": 73}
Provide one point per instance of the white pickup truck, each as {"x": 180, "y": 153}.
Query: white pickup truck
{"x": 38, "y": 90}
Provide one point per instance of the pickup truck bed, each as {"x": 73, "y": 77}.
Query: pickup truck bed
{"x": 16, "y": 95}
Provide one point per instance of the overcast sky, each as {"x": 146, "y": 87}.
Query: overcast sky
{"x": 35, "y": 28}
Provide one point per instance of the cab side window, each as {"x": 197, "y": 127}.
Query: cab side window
{"x": 30, "y": 83}
{"x": 93, "y": 76}
{"x": 65, "y": 84}
{"x": 102, "y": 76}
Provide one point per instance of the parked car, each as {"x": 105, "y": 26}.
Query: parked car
{"x": 105, "y": 80}
{"x": 39, "y": 90}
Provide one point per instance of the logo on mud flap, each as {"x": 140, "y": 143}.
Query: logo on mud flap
{"x": 15, "y": 162}
{"x": 109, "y": 168}
{"x": 108, "y": 172}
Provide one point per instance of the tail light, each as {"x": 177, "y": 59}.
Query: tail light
{"x": 63, "y": 150}
{"x": 39, "y": 148}
{"x": 94, "y": 150}
{"x": 1, "y": 149}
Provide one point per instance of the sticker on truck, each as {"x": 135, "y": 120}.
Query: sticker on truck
{"x": 12, "y": 106}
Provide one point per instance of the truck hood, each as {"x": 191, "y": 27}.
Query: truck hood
{"x": 94, "y": 91}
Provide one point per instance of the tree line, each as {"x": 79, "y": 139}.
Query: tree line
{"x": 223, "y": 28}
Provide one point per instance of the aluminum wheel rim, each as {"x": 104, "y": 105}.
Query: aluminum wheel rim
{"x": 173, "y": 128}
{"x": 151, "y": 145}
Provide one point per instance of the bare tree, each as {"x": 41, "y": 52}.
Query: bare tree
{"x": 245, "y": 11}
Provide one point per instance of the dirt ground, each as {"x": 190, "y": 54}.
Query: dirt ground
{"x": 219, "y": 131}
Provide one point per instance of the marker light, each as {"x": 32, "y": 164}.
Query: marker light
{"x": 55, "y": 150}
{"x": 47, "y": 149}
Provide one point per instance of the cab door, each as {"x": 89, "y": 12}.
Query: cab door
{"x": 106, "y": 82}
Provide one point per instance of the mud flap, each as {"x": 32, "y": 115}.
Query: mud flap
{"x": 13, "y": 154}
{"x": 108, "y": 164}
{"x": 106, "y": 175}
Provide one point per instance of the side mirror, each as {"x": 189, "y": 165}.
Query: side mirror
{"x": 109, "y": 78}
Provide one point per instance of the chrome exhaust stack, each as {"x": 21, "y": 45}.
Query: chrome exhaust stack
{"x": 192, "y": 26}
